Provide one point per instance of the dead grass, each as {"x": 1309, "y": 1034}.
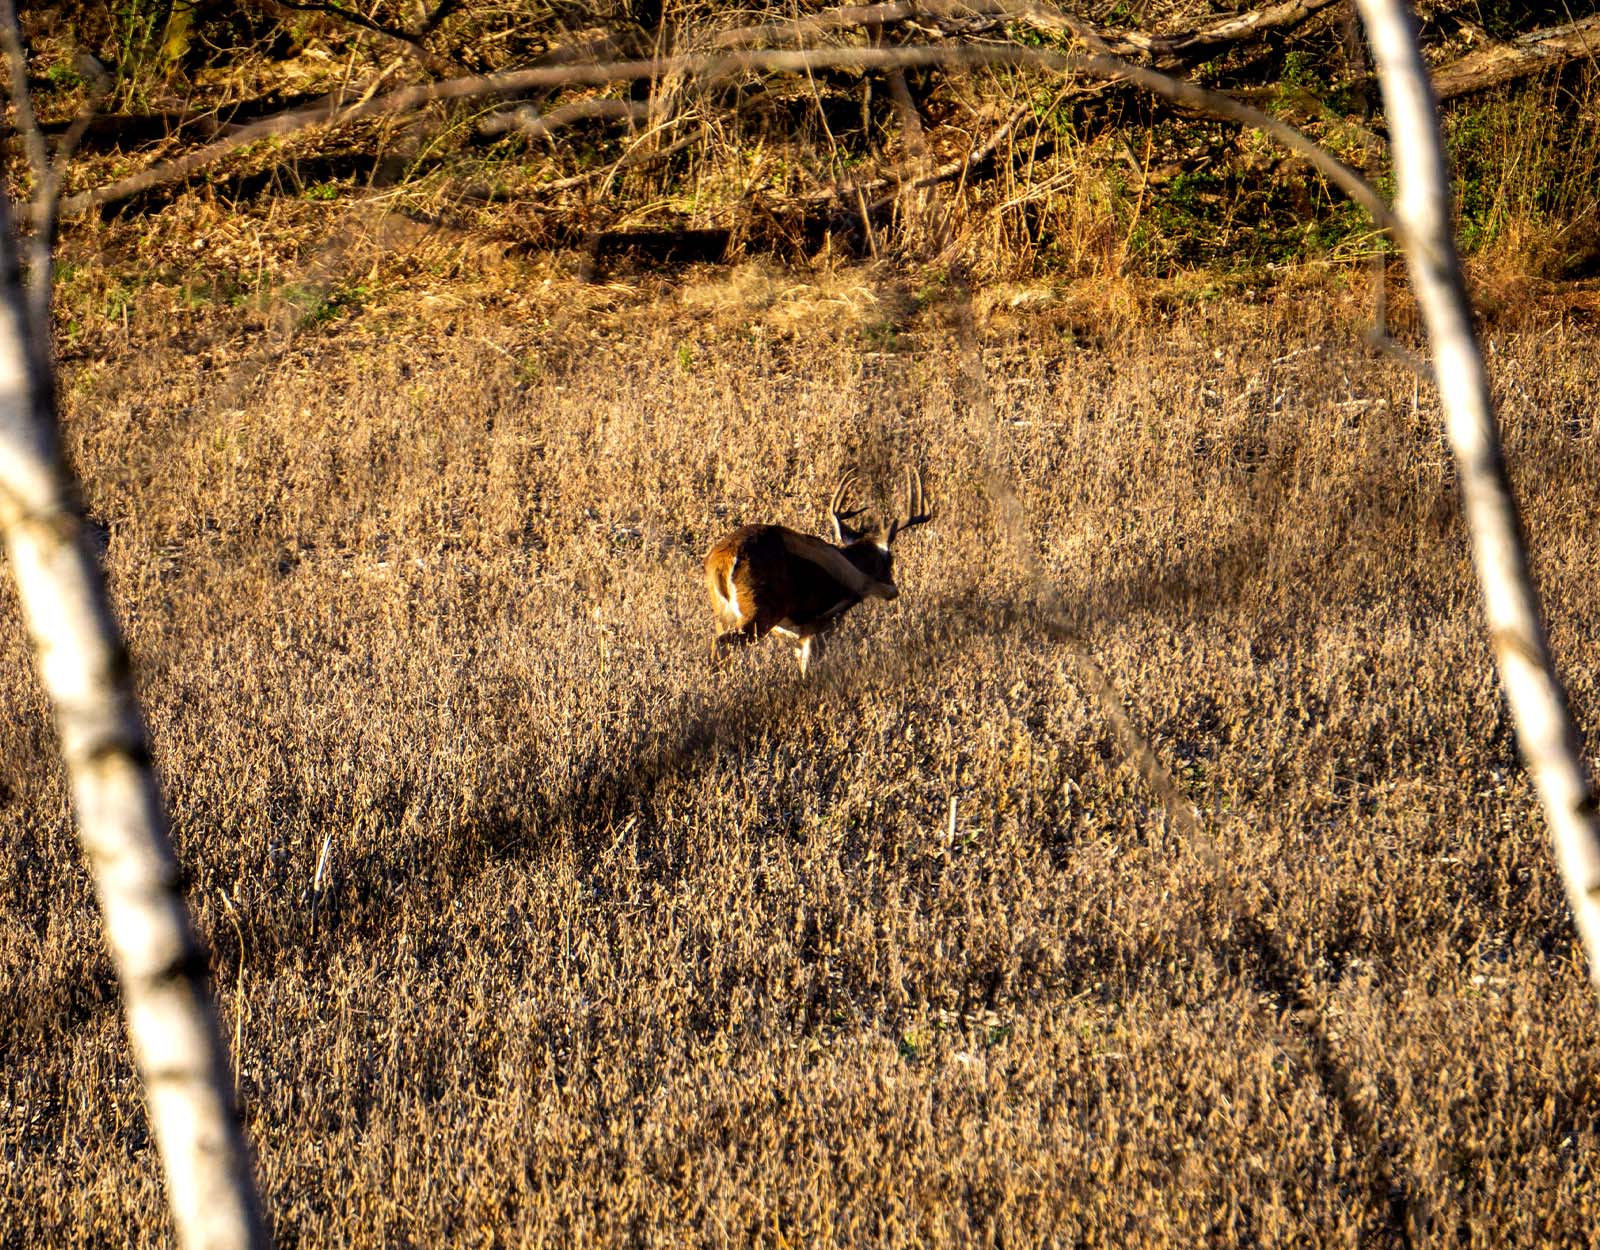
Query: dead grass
{"x": 607, "y": 947}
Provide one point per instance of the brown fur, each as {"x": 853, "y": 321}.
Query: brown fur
{"x": 758, "y": 584}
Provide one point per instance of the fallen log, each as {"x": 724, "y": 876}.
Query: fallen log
{"x": 1526, "y": 54}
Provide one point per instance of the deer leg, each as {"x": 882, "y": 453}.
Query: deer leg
{"x": 741, "y": 637}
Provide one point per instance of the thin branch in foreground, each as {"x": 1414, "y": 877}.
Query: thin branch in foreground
{"x": 46, "y": 207}
{"x": 1546, "y": 734}
{"x": 47, "y": 173}
{"x": 83, "y": 669}
{"x": 27, "y": 125}
{"x": 33, "y": 143}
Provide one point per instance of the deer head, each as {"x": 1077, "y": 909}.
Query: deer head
{"x": 872, "y": 549}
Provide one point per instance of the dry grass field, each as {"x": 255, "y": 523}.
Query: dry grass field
{"x": 529, "y": 929}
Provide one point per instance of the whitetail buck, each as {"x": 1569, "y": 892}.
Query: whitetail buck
{"x": 766, "y": 578}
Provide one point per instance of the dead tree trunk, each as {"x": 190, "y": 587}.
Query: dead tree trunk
{"x": 1545, "y": 732}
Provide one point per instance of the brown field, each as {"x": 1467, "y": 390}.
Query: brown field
{"x": 607, "y": 947}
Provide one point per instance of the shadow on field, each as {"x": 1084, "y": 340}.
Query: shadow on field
{"x": 719, "y": 724}
{"x": 1203, "y": 587}
{"x": 716, "y": 729}
{"x": 1300, "y": 1030}
{"x": 370, "y": 887}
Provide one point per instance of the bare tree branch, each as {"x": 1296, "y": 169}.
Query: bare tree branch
{"x": 529, "y": 121}
{"x": 443, "y": 10}
{"x": 1545, "y": 732}
{"x": 1195, "y": 45}
{"x": 329, "y": 9}
{"x": 411, "y": 41}
{"x": 725, "y": 65}
{"x": 83, "y": 667}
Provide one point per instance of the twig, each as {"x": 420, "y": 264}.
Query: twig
{"x": 959, "y": 167}
{"x": 529, "y": 121}
{"x": 676, "y": 145}
{"x": 627, "y": 163}
{"x": 956, "y": 168}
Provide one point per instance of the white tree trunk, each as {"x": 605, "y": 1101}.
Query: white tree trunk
{"x": 1545, "y": 732}
{"x": 84, "y": 669}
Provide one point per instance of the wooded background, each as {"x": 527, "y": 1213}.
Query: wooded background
{"x": 1012, "y": 169}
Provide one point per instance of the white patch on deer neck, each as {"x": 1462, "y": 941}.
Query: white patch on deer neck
{"x": 883, "y": 547}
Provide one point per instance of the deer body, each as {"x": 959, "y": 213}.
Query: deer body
{"x": 768, "y": 578}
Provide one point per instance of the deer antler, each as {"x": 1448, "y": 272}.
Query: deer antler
{"x": 918, "y": 511}
{"x": 840, "y": 529}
